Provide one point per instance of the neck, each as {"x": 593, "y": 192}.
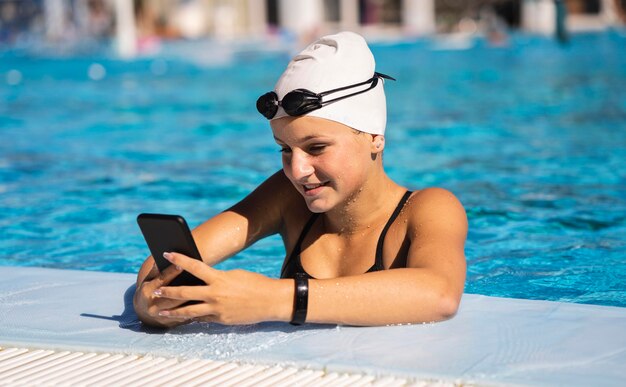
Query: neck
{"x": 365, "y": 208}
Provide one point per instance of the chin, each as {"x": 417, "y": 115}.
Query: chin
{"x": 318, "y": 206}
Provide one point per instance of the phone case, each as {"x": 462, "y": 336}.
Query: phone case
{"x": 169, "y": 233}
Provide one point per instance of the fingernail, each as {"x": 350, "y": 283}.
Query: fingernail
{"x": 164, "y": 313}
{"x": 157, "y": 292}
{"x": 179, "y": 268}
{"x": 167, "y": 256}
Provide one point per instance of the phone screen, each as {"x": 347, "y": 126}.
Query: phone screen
{"x": 169, "y": 233}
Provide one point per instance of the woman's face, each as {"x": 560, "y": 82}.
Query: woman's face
{"x": 326, "y": 161}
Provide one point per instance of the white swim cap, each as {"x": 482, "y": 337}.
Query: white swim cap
{"x": 332, "y": 62}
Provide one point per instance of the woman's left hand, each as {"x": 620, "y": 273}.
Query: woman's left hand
{"x": 230, "y": 297}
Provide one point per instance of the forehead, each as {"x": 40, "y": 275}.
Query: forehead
{"x": 297, "y": 128}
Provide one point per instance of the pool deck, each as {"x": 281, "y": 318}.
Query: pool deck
{"x": 491, "y": 341}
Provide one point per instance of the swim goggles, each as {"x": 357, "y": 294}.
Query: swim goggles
{"x": 302, "y": 101}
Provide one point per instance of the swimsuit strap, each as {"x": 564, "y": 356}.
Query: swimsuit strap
{"x": 305, "y": 231}
{"x": 378, "y": 265}
{"x": 296, "y": 249}
{"x": 293, "y": 262}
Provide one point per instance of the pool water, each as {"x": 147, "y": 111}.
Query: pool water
{"x": 531, "y": 137}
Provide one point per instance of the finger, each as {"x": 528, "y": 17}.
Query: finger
{"x": 193, "y": 266}
{"x": 153, "y": 273}
{"x": 195, "y": 311}
{"x": 168, "y": 275}
{"x": 158, "y": 304}
{"x": 161, "y": 303}
{"x": 162, "y": 279}
{"x": 184, "y": 293}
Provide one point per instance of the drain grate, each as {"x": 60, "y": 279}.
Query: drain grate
{"x": 21, "y": 366}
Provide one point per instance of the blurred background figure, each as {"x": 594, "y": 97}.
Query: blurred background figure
{"x": 138, "y": 26}
{"x": 494, "y": 26}
{"x": 99, "y": 18}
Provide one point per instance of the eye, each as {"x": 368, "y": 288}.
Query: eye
{"x": 317, "y": 148}
{"x": 284, "y": 149}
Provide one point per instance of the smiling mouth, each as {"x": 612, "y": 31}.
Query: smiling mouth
{"x": 311, "y": 187}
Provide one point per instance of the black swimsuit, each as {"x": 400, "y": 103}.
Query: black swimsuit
{"x": 293, "y": 266}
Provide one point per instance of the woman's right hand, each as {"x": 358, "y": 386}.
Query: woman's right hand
{"x": 147, "y": 305}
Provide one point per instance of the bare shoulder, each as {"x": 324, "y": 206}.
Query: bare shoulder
{"x": 435, "y": 201}
{"x": 272, "y": 194}
{"x": 436, "y": 216}
{"x": 261, "y": 213}
{"x": 282, "y": 194}
{"x": 273, "y": 202}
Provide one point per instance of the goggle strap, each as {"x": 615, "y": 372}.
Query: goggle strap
{"x": 374, "y": 82}
{"x": 376, "y": 76}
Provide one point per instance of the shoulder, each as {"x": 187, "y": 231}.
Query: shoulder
{"x": 275, "y": 189}
{"x": 435, "y": 196}
{"x": 267, "y": 206}
{"x": 279, "y": 191}
{"x": 276, "y": 198}
{"x": 274, "y": 194}
{"x": 436, "y": 210}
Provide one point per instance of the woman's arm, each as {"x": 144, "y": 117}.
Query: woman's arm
{"x": 428, "y": 289}
{"x": 227, "y": 233}
{"x": 256, "y": 216}
{"x": 253, "y": 218}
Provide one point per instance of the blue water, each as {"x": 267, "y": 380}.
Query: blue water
{"x": 531, "y": 138}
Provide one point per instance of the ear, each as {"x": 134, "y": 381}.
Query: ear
{"x": 378, "y": 143}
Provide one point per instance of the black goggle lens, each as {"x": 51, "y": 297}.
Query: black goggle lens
{"x": 267, "y": 104}
{"x": 295, "y": 103}
{"x": 301, "y": 101}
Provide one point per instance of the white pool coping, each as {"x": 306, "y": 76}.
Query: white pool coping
{"x": 491, "y": 341}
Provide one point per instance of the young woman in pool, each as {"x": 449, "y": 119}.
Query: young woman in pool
{"x": 361, "y": 249}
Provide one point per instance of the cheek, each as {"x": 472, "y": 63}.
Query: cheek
{"x": 353, "y": 168}
{"x": 287, "y": 166}
{"x": 342, "y": 170}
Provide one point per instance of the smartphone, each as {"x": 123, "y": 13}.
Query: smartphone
{"x": 169, "y": 233}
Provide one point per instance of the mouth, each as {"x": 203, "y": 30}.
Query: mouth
{"x": 312, "y": 189}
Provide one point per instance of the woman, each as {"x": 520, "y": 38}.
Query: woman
{"x": 361, "y": 249}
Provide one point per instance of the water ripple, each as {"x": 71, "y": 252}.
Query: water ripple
{"x": 530, "y": 137}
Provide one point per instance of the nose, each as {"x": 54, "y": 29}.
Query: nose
{"x": 300, "y": 165}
